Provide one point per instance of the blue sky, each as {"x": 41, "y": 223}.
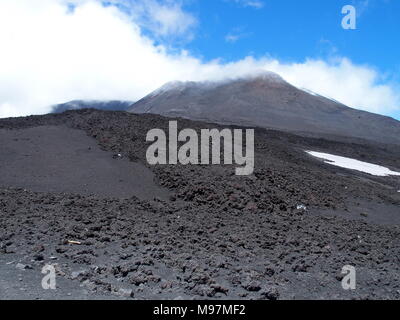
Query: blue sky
{"x": 61, "y": 50}
{"x": 293, "y": 30}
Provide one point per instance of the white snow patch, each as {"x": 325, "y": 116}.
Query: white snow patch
{"x": 353, "y": 164}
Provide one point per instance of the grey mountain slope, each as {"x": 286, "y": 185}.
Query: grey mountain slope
{"x": 270, "y": 102}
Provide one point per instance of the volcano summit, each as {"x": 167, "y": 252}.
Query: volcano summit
{"x": 266, "y": 100}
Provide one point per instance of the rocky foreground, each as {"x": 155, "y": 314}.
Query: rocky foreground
{"x": 283, "y": 233}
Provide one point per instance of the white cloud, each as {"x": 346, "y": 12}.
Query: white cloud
{"x": 236, "y": 34}
{"x": 256, "y": 4}
{"x": 361, "y": 6}
{"x": 356, "y": 86}
{"x": 162, "y": 17}
{"x": 232, "y": 38}
{"x": 51, "y": 54}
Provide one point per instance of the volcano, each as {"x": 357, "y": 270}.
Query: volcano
{"x": 267, "y": 101}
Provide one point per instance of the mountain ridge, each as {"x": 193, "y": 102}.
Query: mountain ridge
{"x": 266, "y": 101}
{"x": 107, "y": 105}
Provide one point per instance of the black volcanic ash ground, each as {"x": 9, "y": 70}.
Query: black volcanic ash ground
{"x": 204, "y": 233}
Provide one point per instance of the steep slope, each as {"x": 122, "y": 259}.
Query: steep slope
{"x": 267, "y": 101}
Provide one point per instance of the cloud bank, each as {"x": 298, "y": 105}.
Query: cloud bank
{"x": 57, "y": 50}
